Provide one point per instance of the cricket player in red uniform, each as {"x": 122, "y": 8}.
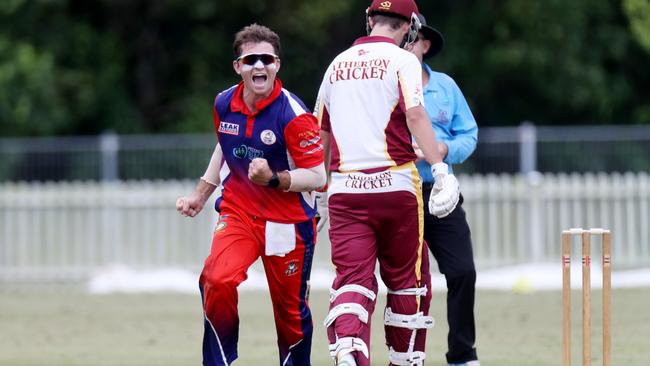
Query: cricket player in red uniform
{"x": 272, "y": 150}
{"x": 369, "y": 106}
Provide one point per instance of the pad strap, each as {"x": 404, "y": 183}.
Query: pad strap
{"x": 352, "y": 288}
{"x": 346, "y": 308}
{"x": 415, "y": 321}
{"x": 415, "y": 291}
{"x": 406, "y": 358}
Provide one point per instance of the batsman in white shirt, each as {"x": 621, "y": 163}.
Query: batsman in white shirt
{"x": 370, "y": 106}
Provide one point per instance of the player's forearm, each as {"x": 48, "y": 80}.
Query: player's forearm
{"x": 295, "y": 180}
{"x": 420, "y": 127}
{"x": 204, "y": 189}
{"x": 304, "y": 180}
{"x": 429, "y": 147}
{"x": 211, "y": 175}
{"x": 210, "y": 179}
{"x": 285, "y": 180}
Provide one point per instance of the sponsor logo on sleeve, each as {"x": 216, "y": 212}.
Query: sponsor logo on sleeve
{"x": 308, "y": 134}
{"x": 228, "y": 128}
{"x": 312, "y": 141}
{"x": 314, "y": 150}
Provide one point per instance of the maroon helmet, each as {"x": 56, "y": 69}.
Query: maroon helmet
{"x": 402, "y": 8}
{"x": 405, "y": 9}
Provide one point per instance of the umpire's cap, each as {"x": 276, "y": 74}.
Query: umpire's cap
{"x": 431, "y": 34}
{"x": 401, "y": 8}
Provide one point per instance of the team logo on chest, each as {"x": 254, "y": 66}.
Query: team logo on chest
{"x": 229, "y": 128}
{"x": 443, "y": 117}
{"x": 268, "y": 137}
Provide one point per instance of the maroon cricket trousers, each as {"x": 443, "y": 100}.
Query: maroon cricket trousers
{"x": 385, "y": 227}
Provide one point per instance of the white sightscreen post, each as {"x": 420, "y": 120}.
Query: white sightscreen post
{"x": 109, "y": 145}
{"x": 527, "y": 147}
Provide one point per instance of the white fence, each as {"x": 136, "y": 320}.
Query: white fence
{"x": 64, "y": 231}
{"x": 518, "y": 219}
{"x": 60, "y": 232}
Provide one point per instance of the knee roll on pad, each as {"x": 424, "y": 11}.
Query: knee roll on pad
{"x": 346, "y": 308}
{"x": 406, "y": 358}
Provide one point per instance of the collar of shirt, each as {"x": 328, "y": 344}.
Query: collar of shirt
{"x": 373, "y": 39}
{"x": 239, "y": 105}
{"x": 431, "y": 84}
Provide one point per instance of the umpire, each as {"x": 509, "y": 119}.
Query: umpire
{"x": 449, "y": 237}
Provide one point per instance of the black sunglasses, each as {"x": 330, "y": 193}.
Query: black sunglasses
{"x": 252, "y": 58}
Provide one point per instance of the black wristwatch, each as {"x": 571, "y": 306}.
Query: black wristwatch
{"x": 274, "y": 182}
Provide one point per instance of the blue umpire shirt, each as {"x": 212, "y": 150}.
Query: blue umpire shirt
{"x": 451, "y": 118}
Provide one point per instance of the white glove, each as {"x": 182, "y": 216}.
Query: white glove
{"x": 322, "y": 208}
{"x": 445, "y": 193}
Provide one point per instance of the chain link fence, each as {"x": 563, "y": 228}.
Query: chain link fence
{"x": 510, "y": 150}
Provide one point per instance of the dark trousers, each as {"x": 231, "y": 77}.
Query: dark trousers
{"x": 450, "y": 243}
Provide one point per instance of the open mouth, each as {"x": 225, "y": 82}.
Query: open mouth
{"x": 259, "y": 80}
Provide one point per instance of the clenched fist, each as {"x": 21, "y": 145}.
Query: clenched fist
{"x": 259, "y": 171}
{"x": 190, "y": 205}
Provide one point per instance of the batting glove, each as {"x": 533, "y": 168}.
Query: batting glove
{"x": 445, "y": 193}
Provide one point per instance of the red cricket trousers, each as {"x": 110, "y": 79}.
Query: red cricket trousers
{"x": 239, "y": 239}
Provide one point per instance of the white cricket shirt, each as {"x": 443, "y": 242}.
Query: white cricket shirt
{"x": 361, "y": 103}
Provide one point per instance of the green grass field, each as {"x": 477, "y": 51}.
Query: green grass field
{"x": 72, "y": 328}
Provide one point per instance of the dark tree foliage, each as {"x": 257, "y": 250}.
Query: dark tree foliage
{"x": 149, "y": 66}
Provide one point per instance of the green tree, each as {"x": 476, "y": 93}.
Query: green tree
{"x": 638, "y": 12}
{"x": 27, "y": 92}
{"x": 147, "y": 66}
{"x": 58, "y": 75}
{"x": 548, "y": 61}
